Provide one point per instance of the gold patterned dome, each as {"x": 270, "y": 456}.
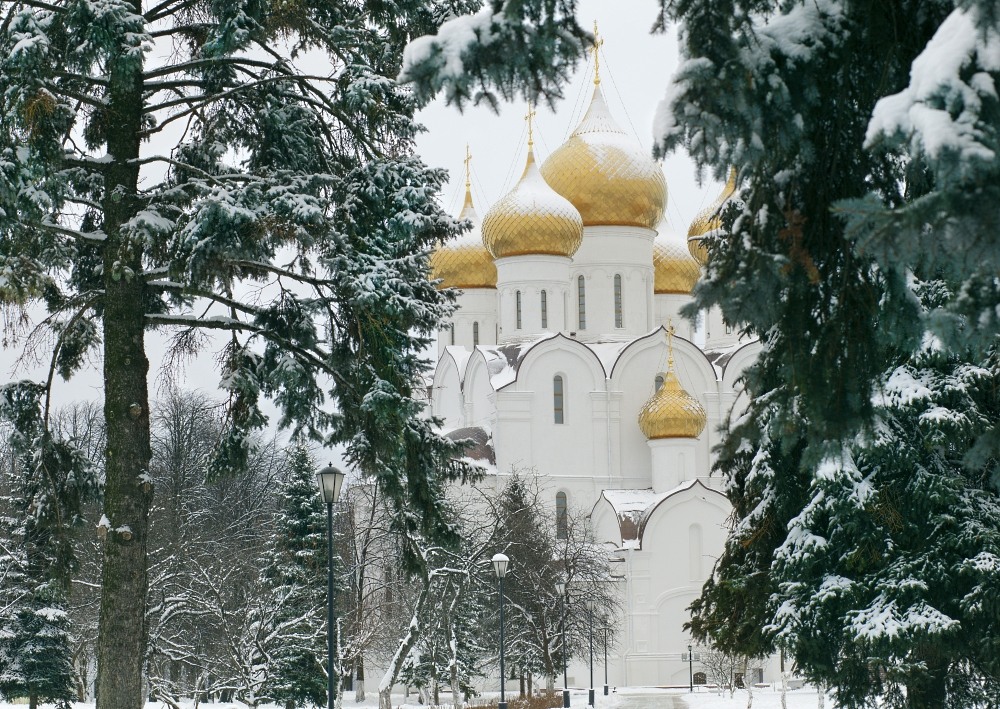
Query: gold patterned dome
{"x": 464, "y": 262}
{"x": 709, "y": 220}
{"x": 605, "y": 174}
{"x": 674, "y": 269}
{"x": 532, "y": 219}
{"x": 671, "y": 412}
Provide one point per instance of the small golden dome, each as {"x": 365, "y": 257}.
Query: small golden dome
{"x": 532, "y": 219}
{"x": 709, "y": 220}
{"x": 605, "y": 174}
{"x": 465, "y": 263}
{"x": 674, "y": 270}
{"x": 671, "y": 412}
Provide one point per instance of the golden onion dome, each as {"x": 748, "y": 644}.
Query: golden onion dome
{"x": 464, "y": 262}
{"x": 605, "y": 174}
{"x": 674, "y": 269}
{"x": 532, "y": 219}
{"x": 671, "y": 412}
{"x": 709, "y": 220}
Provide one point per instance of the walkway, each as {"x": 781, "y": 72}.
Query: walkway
{"x": 643, "y": 700}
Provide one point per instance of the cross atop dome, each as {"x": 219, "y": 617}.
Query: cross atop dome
{"x": 596, "y": 50}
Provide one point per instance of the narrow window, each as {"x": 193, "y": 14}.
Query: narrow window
{"x": 452, "y": 328}
{"x": 475, "y": 334}
{"x": 581, "y": 297}
{"x": 618, "y": 300}
{"x": 517, "y": 298}
{"x": 545, "y": 310}
{"x": 562, "y": 516}
{"x": 695, "y": 552}
{"x": 659, "y": 381}
{"x": 557, "y": 398}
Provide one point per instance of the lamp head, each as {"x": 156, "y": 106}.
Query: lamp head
{"x": 561, "y": 588}
{"x": 330, "y": 480}
{"x": 500, "y": 564}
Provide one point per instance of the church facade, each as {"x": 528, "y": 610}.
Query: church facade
{"x": 563, "y": 359}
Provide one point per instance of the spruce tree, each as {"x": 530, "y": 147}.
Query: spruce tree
{"x": 162, "y": 162}
{"x": 296, "y": 574}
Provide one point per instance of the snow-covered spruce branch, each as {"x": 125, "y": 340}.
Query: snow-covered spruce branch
{"x": 233, "y": 325}
{"x": 204, "y": 99}
{"x": 92, "y": 236}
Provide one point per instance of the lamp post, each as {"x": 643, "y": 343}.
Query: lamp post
{"x": 590, "y": 609}
{"x": 690, "y": 670}
{"x": 500, "y": 563}
{"x": 605, "y": 661}
{"x": 561, "y": 590}
{"x": 330, "y": 482}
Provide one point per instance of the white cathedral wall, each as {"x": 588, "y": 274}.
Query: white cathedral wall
{"x": 477, "y": 311}
{"x": 682, "y": 538}
{"x": 667, "y": 307}
{"x": 573, "y": 453}
{"x": 529, "y": 275}
{"x": 446, "y": 400}
{"x": 608, "y": 251}
{"x": 634, "y": 376}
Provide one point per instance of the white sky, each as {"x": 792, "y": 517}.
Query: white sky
{"x": 635, "y": 69}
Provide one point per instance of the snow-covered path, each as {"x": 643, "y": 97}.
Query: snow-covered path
{"x": 649, "y": 701}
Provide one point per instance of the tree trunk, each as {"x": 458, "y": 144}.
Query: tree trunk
{"x": 927, "y": 690}
{"x": 522, "y": 684}
{"x": 359, "y": 679}
{"x": 121, "y": 641}
{"x": 33, "y": 701}
{"x": 396, "y": 663}
{"x": 784, "y": 682}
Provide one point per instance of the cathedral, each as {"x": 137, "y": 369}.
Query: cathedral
{"x": 567, "y": 356}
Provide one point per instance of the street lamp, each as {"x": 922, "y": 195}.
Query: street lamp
{"x": 330, "y": 482}
{"x": 561, "y": 590}
{"x": 500, "y": 563}
{"x": 690, "y": 670}
{"x": 606, "y": 660}
{"x": 590, "y": 608}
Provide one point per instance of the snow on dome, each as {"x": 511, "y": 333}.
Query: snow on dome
{"x": 464, "y": 262}
{"x": 709, "y": 220}
{"x": 671, "y": 412}
{"x": 674, "y": 269}
{"x": 605, "y": 174}
{"x": 532, "y": 219}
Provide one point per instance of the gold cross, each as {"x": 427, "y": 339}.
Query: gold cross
{"x": 529, "y": 117}
{"x": 468, "y": 160}
{"x": 598, "y": 43}
{"x": 670, "y": 344}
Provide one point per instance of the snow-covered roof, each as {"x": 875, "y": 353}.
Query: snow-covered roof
{"x": 480, "y": 449}
{"x": 633, "y": 508}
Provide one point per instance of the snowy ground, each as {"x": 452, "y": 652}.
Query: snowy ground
{"x": 624, "y": 698}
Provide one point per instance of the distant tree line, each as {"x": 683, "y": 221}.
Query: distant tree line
{"x": 237, "y": 573}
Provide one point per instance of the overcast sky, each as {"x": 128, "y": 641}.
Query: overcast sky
{"x": 635, "y": 70}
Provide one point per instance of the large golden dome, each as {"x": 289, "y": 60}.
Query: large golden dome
{"x": 709, "y": 220}
{"x": 465, "y": 263}
{"x": 532, "y": 219}
{"x": 674, "y": 270}
{"x": 605, "y": 174}
{"x": 671, "y": 412}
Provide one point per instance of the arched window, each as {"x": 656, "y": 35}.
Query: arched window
{"x": 475, "y": 334}
{"x": 557, "y": 398}
{"x": 581, "y": 297}
{"x": 700, "y": 678}
{"x": 562, "y": 516}
{"x": 619, "y": 317}
{"x": 517, "y": 300}
{"x": 659, "y": 381}
{"x": 452, "y": 328}
{"x": 545, "y": 310}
